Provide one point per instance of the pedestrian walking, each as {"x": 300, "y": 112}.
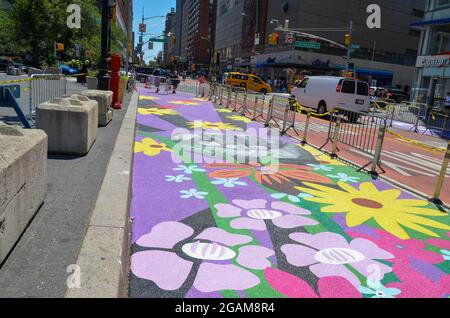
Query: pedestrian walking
{"x": 175, "y": 81}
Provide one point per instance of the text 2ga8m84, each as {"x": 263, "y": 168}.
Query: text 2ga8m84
{"x": 247, "y": 308}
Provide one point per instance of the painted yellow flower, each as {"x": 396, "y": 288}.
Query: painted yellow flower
{"x": 321, "y": 157}
{"x": 157, "y": 111}
{"x": 142, "y": 97}
{"x": 184, "y": 102}
{"x": 240, "y": 118}
{"x": 224, "y": 110}
{"x": 205, "y": 125}
{"x": 385, "y": 207}
{"x": 150, "y": 147}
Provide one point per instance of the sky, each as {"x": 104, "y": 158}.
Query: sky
{"x": 154, "y": 26}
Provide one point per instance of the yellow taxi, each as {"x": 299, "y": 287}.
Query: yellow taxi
{"x": 248, "y": 81}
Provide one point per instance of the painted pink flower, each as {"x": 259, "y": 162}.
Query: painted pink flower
{"x": 415, "y": 285}
{"x": 253, "y": 214}
{"x": 294, "y": 287}
{"x": 174, "y": 251}
{"x": 402, "y": 249}
{"x": 444, "y": 244}
{"x": 329, "y": 255}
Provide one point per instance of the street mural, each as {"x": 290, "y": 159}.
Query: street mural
{"x": 306, "y": 227}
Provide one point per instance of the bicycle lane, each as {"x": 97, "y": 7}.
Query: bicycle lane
{"x": 415, "y": 167}
{"x": 230, "y": 230}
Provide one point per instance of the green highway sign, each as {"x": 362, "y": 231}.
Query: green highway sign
{"x": 308, "y": 45}
{"x": 164, "y": 40}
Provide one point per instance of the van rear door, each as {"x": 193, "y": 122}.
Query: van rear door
{"x": 345, "y": 96}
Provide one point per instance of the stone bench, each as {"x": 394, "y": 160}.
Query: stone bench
{"x": 23, "y": 181}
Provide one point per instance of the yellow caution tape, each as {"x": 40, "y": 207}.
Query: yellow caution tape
{"x": 24, "y": 80}
{"x": 415, "y": 142}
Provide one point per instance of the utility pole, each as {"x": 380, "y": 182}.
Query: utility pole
{"x": 349, "y": 49}
{"x": 103, "y": 77}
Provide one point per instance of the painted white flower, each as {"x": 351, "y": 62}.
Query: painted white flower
{"x": 193, "y": 193}
{"x": 229, "y": 183}
{"x": 189, "y": 169}
{"x": 177, "y": 179}
{"x": 342, "y": 177}
{"x": 321, "y": 168}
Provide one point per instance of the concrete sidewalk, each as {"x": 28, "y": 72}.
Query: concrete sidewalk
{"x": 37, "y": 266}
{"x": 313, "y": 227}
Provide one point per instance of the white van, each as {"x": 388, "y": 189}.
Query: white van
{"x": 325, "y": 93}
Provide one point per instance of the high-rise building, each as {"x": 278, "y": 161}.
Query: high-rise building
{"x": 433, "y": 63}
{"x": 385, "y": 55}
{"x": 124, "y": 18}
{"x": 169, "y": 33}
{"x": 195, "y": 30}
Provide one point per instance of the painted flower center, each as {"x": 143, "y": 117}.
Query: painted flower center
{"x": 367, "y": 203}
{"x": 380, "y": 294}
{"x": 208, "y": 251}
{"x": 263, "y": 214}
{"x": 156, "y": 146}
{"x": 339, "y": 256}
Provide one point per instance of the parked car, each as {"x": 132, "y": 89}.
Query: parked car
{"x": 324, "y": 93}
{"x": 397, "y": 94}
{"x": 249, "y": 82}
{"x": 68, "y": 70}
{"x": 4, "y": 64}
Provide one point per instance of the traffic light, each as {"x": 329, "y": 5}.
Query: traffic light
{"x": 59, "y": 47}
{"x": 348, "y": 40}
{"x": 274, "y": 38}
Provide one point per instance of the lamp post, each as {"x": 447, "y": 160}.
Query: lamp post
{"x": 210, "y": 52}
{"x": 103, "y": 77}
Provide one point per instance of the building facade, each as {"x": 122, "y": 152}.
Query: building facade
{"x": 169, "y": 33}
{"x": 433, "y": 63}
{"x": 124, "y": 18}
{"x": 195, "y": 32}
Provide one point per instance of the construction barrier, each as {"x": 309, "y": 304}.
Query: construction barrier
{"x": 44, "y": 88}
{"x": 361, "y": 131}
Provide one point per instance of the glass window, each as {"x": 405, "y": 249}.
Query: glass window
{"x": 349, "y": 87}
{"x": 363, "y": 89}
{"x": 304, "y": 83}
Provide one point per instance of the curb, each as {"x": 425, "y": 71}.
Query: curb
{"x": 103, "y": 257}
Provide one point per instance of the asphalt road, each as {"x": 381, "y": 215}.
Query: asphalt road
{"x": 37, "y": 266}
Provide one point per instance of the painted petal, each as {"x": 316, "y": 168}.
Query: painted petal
{"x": 165, "y": 235}
{"x": 298, "y": 255}
{"x": 321, "y": 240}
{"x": 288, "y": 285}
{"x": 445, "y": 244}
{"x": 325, "y": 270}
{"x": 255, "y": 257}
{"x": 215, "y": 234}
{"x": 293, "y": 221}
{"x": 289, "y": 208}
{"x": 370, "y": 249}
{"x": 165, "y": 269}
{"x": 212, "y": 277}
{"x": 337, "y": 287}
{"x": 248, "y": 224}
{"x": 228, "y": 210}
{"x": 251, "y": 204}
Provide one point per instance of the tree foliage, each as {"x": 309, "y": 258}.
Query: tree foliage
{"x": 31, "y": 27}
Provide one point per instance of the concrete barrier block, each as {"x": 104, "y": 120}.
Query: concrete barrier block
{"x": 104, "y": 99}
{"x": 23, "y": 181}
{"x": 71, "y": 125}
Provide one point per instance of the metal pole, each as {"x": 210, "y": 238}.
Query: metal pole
{"x": 379, "y": 148}
{"x": 103, "y": 78}
{"x": 349, "y": 46}
{"x": 335, "y": 138}
{"x": 305, "y": 133}
{"x": 436, "y": 199}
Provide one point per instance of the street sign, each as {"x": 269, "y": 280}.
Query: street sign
{"x": 164, "y": 40}
{"x": 308, "y": 45}
{"x": 142, "y": 28}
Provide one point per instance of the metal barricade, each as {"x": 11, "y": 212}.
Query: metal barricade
{"x": 189, "y": 86}
{"x": 440, "y": 184}
{"x": 361, "y": 131}
{"x": 437, "y": 122}
{"x": 407, "y": 112}
{"x": 44, "y": 87}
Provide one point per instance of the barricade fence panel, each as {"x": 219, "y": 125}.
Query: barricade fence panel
{"x": 43, "y": 88}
